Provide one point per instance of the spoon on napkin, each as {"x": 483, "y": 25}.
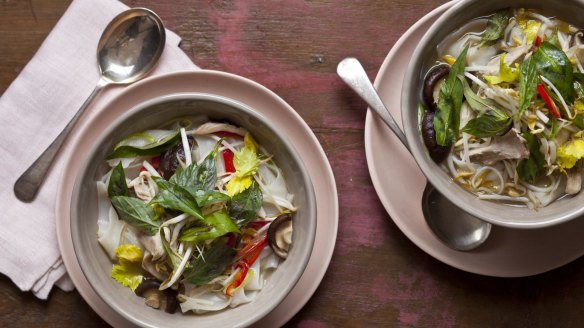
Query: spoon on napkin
{"x": 128, "y": 49}
{"x": 453, "y": 226}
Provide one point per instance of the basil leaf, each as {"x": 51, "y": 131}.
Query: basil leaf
{"x": 475, "y": 102}
{"x": 495, "y": 27}
{"x": 136, "y": 213}
{"x": 217, "y": 224}
{"x": 174, "y": 197}
{"x": 579, "y": 85}
{"x": 117, "y": 182}
{"x": 206, "y": 197}
{"x": 491, "y": 121}
{"x": 527, "y": 85}
{"x": 198, "y": 177}
{"x": 150, "y": 149}
{"x": 245, "y": 205}
{"x": 554, "y": 65}
{"x": 210, "y": 264}
{"x": 489, "y": 124}
{"x": 447, "y": 117}
{"x": 533, "y": 167}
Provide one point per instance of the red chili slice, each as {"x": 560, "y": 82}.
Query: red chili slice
{"x": 245, "y": 258}
{"x": 228, "y": 160}
{"x": 227, "y": 134}
{"x": 548, "y": 101}
{"x": 154, "y": 161}
{"x": 537, "y": 41}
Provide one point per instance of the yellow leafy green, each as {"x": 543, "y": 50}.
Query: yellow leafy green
{"x": 529, "y": 27}
{"x": 128, "y": 271}
{"x": 569, "y": 153}
{"x": 246, "y": 163}
{"x": 579, "y": 106}
{"x": 506, "y": 73}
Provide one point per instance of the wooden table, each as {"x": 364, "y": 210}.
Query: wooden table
{"x": 292, "y": 47}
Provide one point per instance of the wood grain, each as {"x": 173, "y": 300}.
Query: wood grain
{"x": 377, "y": 277}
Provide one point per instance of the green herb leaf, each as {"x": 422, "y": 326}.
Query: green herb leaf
{"x": 495, "y": 27}
{"x": 533, "y": 167}
{"x": 205, "y": 197}
{"x": 489, "y": 124}
{"x": 136, "y": 213}
{"x": 174, "y": 197}
{"x": 198, "y": 177}
{"x": 527, "y": 85}
{"x": 117, "y": 183}
{"x": 210, "y": 264}
{"x": 491, "y": 121}
{"x": 579, "y": 85}
{"x": 554, "y": 65}
{"x": 447, "y": 118}
{"x": 151, "y": 149}
{"x": 478, "y": 104}
{"x": 245, "y": 205}
{"x": 217, "y": 224}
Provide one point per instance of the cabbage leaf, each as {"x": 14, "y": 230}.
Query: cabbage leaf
{"x": 506, "y": 73}
{"x": 569, "y": 153}
{"x": 128, "y": 271}
{"x": 246, "y": 163}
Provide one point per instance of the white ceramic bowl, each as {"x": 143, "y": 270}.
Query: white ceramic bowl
{"x": 96, "y": 265}
{"x": 570, "y": 11}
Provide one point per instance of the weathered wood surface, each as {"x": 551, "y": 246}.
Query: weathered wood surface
{"x": 377, "y": 277}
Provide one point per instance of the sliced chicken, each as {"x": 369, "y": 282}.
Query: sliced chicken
{"x": 509, "y": 146}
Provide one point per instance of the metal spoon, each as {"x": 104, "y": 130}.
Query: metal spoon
{"x": 128, "y": 49}
{"x": 453, "y": 226}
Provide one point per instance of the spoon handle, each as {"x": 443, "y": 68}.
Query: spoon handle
{"x": 353, "y": 74}
{"x": 28, "y": 184}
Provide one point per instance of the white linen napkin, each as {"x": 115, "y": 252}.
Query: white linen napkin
{"x": 33, "y": 110}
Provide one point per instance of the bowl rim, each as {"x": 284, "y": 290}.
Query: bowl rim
{"x": 248, "y": 111}
{"x": 447, "y": 186}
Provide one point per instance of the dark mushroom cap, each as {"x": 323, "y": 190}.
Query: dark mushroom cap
{"x": 146, "y": 284}
{"x": 437, "y": 152}
{"x": 171, "y": 300}
{"x": 276, "y": 228}
{"x": 169, "y": 158}
{"x": 434, "y": 75}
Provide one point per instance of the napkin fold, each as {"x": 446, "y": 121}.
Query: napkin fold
{"x": 33, "y": 110}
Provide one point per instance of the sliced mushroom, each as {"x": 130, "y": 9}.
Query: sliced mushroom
{"x": 171, "y": 300}
{"x": 148, "y": 289}
{"x": 434, "y": 75}
{"x": 280, "y": 235}
{"x": 437, "y": 152}
{"x": 146, "y": 284}
{"x": 574, "y": 181}
{"x": 169, "y": 160}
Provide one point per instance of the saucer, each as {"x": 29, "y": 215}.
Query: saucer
{"x": 399, "y": 184}
{"x": 264, "y": 102}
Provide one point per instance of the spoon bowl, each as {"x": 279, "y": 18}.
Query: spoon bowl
{"x": 128, "y": 49}
{"x": 130, "y": 46}
{"x": 454, "y": 227}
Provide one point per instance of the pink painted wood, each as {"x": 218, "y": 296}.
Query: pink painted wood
{"x": 377, "y": 277}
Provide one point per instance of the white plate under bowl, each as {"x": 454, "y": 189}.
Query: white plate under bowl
{"x": 399, "y": 183}
{"x": 254, "y": 96}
